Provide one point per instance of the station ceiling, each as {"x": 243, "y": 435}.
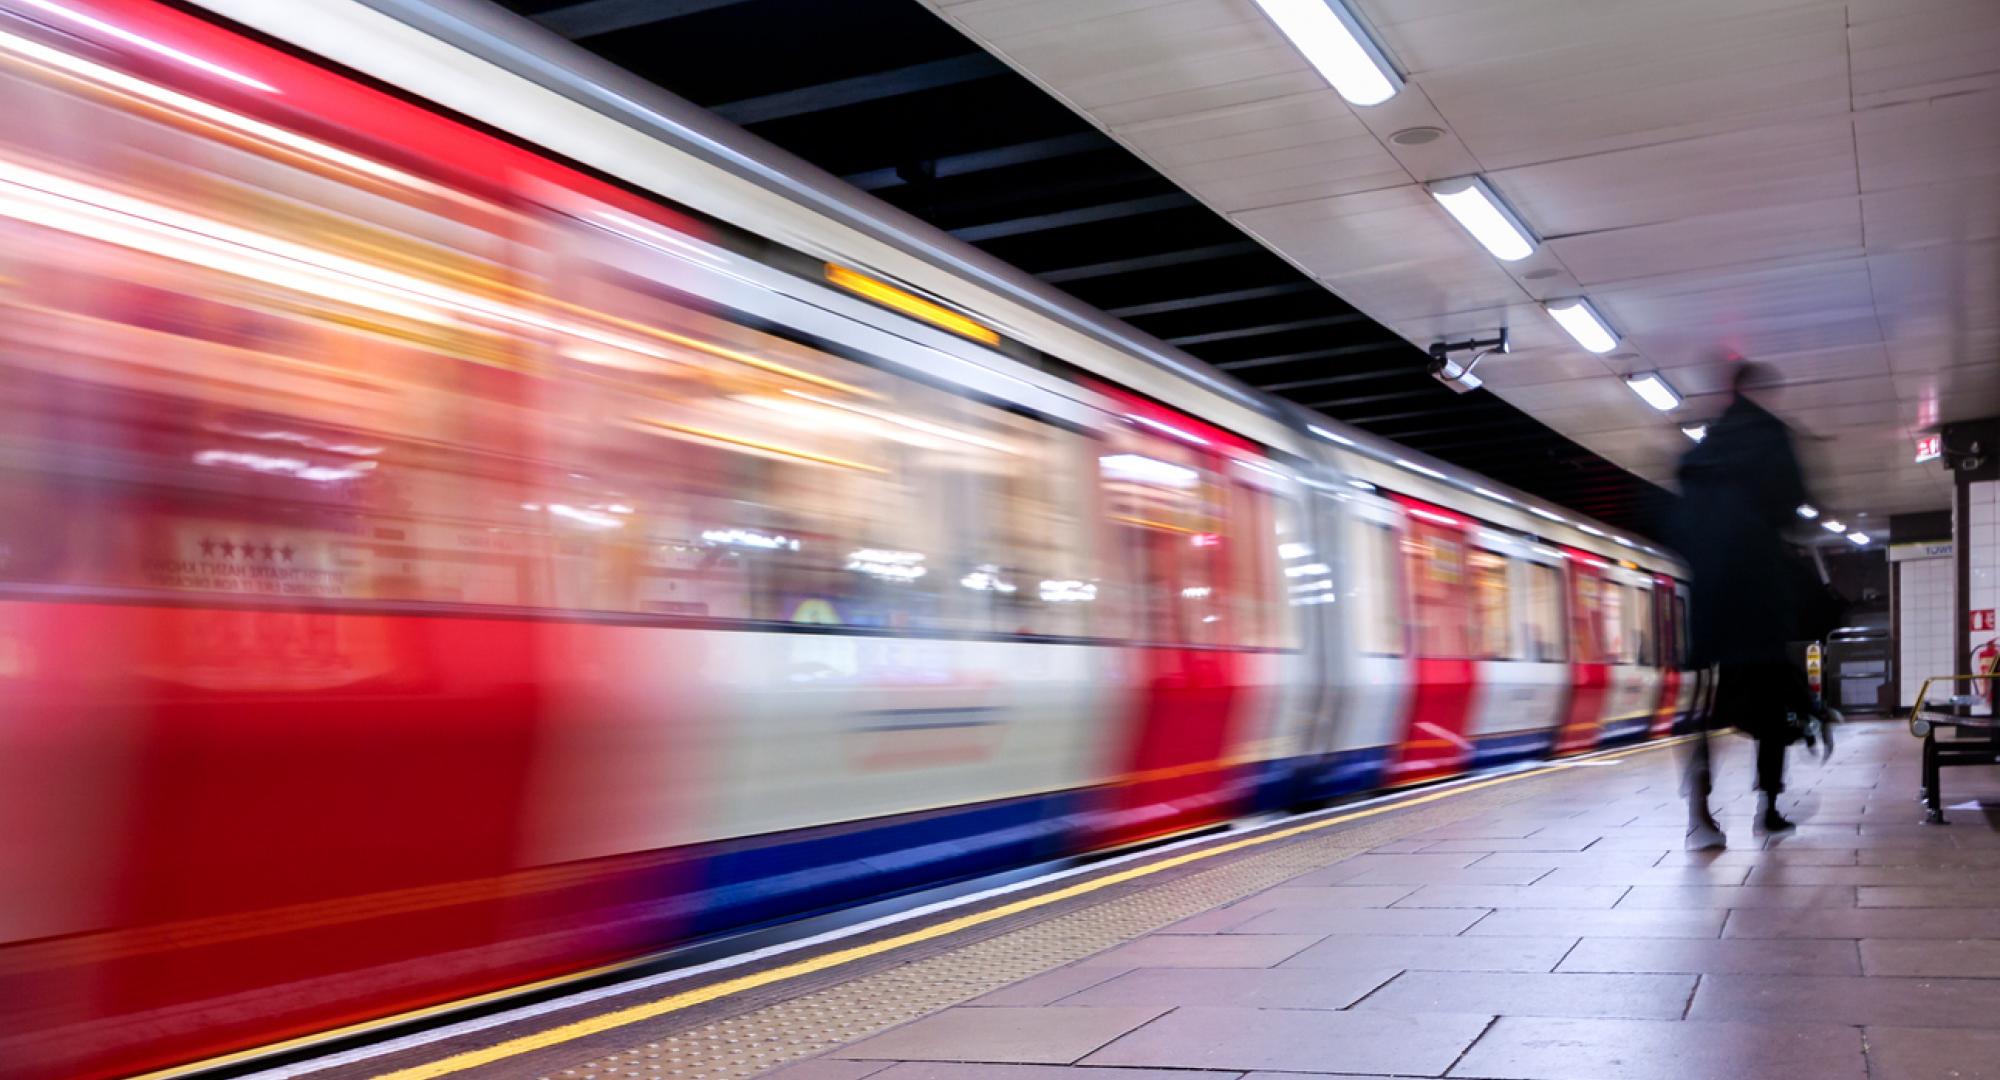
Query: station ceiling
{"x": 904, "y": 105}
{"x": 1810, "y": 183}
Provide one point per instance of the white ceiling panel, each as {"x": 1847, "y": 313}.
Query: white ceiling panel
{"x": 1770, "y": 311}
{"x": 1947, "y": 213}
{"x": 1270, "y": 152}
{"x": 1737, "y": 170}
{"x": 1812, "y": 183}
{"x": 1714, "y": 241}
{"x": 1651, "y": 86}
{"x": 1910, "y": 49}
{"x": 1926, "y": 142}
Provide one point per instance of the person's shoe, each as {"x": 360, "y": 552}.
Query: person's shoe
{"x": 1706, "y": 836}
{"x": 1770, "y": 821}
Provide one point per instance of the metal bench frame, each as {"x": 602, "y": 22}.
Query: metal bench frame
{"x": 1982, "y": 749}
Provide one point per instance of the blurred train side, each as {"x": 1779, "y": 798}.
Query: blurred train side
{"x": 426, "y": 568}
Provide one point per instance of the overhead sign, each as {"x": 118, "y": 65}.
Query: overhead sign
{"x": 1933, "y": 549}
{"x": 1929, "y": 448}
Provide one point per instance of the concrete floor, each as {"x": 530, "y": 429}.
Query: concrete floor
{"x": 1562, "y": 937}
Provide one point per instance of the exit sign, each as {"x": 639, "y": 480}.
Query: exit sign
{"x": 1929, "y": 448}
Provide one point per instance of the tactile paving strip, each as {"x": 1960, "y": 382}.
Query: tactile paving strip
{"x": 766, "y": 1037}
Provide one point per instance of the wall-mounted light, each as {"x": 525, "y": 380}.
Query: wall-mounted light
{"x": 1338, "y": 46}
{"x": 1472, "y": 202}
{"x": 1654, "y": 391}
{"x": 1582, "y": 323}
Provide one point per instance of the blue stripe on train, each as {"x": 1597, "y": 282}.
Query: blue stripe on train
{"x": 1497, "y": 750}
{"x": 1631, "y": 730}
{"x": 758, "y": 881}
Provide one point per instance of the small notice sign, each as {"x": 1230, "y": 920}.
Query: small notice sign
{"x": 1982, "y": 619}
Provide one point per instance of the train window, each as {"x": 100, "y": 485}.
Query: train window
{"x": 1586, "y": 625}
{"x": 1262, "y": 525}
{"x": 1376, "y": 578}
{"x": 1683, "y": 650}
{"x": 1640, "y": 625}
{"x": 1492, "y": 618}
{"x": 1437, "y": 576}
{"x": 1166, "y": 504}
{"x": 1545, "y": 613}
{"x": 1611, "y": 610}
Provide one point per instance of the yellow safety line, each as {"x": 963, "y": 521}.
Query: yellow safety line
{"x": 632, "y": 1014}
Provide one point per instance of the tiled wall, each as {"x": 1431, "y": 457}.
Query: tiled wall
{"x": 1925, "y": 619}
{"x": 1984, "y": 584}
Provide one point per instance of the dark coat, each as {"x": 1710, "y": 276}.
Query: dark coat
{"x": 1740, "y": 489}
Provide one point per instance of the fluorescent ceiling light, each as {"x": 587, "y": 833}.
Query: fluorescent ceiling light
{"x": 1858, "y": 537}
{"x": 1831, "y": 525}
{"x": 1583, "y": 324}
{"x": 1539, "y": 512}
{"x": 1697, "y": 432}
{"x": 1330, "y": 436}
{"x": 1654, "y": 391}
{"x": 1424, "y": 469}
{"x": 1491, "y": 494}
{"x": 1334, "y": 42}
{"x": 1468, "y": 199}
{"x": 1808, "y": 511}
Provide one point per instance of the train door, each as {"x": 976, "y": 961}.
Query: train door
{"x": 1589, "y": 673}
{"x": 1168, "y": 504}
{"x": 1696, "y": 685}
{"x": 1625, "y": 607}
{"x": 1666, "y": 638}
{"x": 1517, "y": 629}
{"x": 1436, "y": 551}
{"x": 1372, "y": 687}
{"x": 1278, "y": 578}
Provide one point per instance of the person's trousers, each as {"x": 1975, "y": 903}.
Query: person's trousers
{"x": 1759, "y": 700}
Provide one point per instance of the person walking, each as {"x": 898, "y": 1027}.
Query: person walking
{"x": 1740, "y": 488}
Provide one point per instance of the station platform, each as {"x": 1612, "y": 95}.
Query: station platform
{"x": 1540, "y": 924}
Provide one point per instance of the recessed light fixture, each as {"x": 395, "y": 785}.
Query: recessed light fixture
{"x": 1654, "y": 391}
{"x": 1859, "y": 538}
{"x": 1696, "y": 432}
{"x": 1582, "y": 322}
{"x": 1335, "y": 43}
{"x": 1417, "y": 136}
{"x": 1830, "y": 525}
{"x": 1473, "y": 203}
{"x": 1808, "y": 511}
{"x": 1542, "y": 274}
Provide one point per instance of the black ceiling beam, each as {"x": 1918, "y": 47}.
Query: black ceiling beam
{"x": 978, "y": 161}
{"x": 1185, "y": 303}
{"x": 1429, "y": 446}
{"x": 1266, "y": 328}
{"x": 593, "y": 17}
{"x": 1315, "y": 354}
{"x": 1149, "y": 262}
{"x": 1082, "y": 215}
{"x": 860, "y": 89}
{"x": 1384, "y": 418}
{"x": 1370, "y": 375}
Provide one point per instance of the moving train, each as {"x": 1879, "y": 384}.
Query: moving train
{"x": 468, "y": 519}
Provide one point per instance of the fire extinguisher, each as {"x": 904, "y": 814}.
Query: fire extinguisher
{"x": 1985, "y": 661}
